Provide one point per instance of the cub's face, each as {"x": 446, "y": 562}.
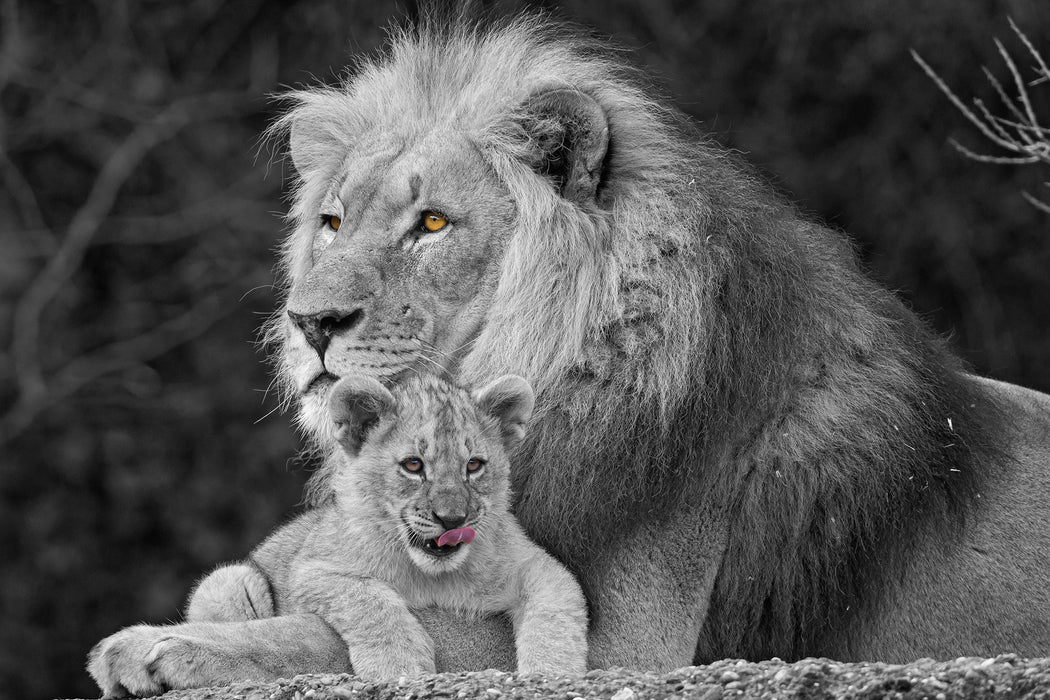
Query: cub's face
{"x": 429, "y": 461}
{"x": 435, "y": 476}
{"x": 394, "y": 264}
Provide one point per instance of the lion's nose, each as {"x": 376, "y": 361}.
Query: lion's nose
{"x": 320, "y": 327}
{"x": 450, "y": 520}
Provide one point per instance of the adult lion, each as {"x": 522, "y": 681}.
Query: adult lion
{"x": 744, "y": 447}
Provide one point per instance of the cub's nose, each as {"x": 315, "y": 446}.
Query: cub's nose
{"x": 450, "y": 520}
{"x": 320, "y": 327}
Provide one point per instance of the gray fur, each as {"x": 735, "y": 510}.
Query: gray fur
{"x": 744, "y": 446}
{"x": 723, "y": 390}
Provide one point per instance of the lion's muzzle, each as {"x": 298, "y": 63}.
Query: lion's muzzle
{"x": 321, "y": 326}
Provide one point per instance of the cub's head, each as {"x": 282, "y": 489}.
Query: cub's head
{"x": 429, "y": 461}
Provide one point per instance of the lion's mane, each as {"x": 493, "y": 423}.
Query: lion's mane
{"x": 689, "y": 337}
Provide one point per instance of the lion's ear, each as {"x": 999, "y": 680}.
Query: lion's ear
{"x": 311, "y": 146}
{"x": 571, "y": 134}
{"x": 509, "y": 400}
{"x": 356, "y": 405}
{"x": 319, "y": 126}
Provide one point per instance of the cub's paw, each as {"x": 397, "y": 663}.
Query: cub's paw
{"x": 146, "y": 661}
{"x": 414, "y": 657}
{"x": 375, "y": 669}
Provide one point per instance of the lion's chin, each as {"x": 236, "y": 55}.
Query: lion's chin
{"x": 319, "y": 381}
{"x": 313, "y": 413}
{"x": 320, "y": 384}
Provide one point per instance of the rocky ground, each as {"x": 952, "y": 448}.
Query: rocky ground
{"x": 1002, "y": 677}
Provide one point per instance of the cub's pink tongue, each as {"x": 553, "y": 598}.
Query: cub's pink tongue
{"x": 463, "y": 535}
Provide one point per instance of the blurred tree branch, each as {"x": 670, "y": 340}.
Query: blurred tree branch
{"x": 116, "y": 356}
{"x": 120, "y": 165}
{"x": 53, "y": 347}
{"x": 1020, "y": 133}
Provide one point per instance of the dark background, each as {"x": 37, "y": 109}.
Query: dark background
{"x": 138, "y": 220}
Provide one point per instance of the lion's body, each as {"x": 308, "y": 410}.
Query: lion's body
{"x": 745, "y": 447}
{"x": 982, "y": 589}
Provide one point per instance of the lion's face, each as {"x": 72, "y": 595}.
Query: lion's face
{"x": 398, "y": 267}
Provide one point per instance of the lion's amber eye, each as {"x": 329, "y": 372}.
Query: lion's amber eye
{"x": 434, "y": 221}
{"x": 333, "y": 222}
{"x": 413, "y": 465}
{"x": 475, "y": 464}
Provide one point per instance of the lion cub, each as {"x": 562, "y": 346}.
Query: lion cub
{"x": 419, "y": 519}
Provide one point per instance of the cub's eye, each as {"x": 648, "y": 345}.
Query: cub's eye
{"x": 474, "y": 464}
{"x": 332, "y": 221}
{"x": 412, "y": 465}
{"x": 433, "y": 221}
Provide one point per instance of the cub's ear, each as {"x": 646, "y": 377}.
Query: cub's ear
{"x": 356, "y": 405}
{"x": 510, "y": 400}
{"x": 571, "y": 134}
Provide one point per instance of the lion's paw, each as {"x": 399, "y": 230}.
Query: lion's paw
{"x": 146, "y": 661}
{"x": 118, "y": 663}
{"x": 184, "y": 662}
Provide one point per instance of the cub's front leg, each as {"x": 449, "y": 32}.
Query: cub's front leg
{"x": 550, "y": 620}
{"x": 231, "y": 593}
{"x": 384, "y": 638}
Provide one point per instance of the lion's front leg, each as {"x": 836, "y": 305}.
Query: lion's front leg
{"x": 148, "y": 660}
{"x": 649, "y": 592}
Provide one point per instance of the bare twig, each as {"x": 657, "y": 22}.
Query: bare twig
{"x": 1022, "y": 135}
{"x": 1038, "y": 204}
